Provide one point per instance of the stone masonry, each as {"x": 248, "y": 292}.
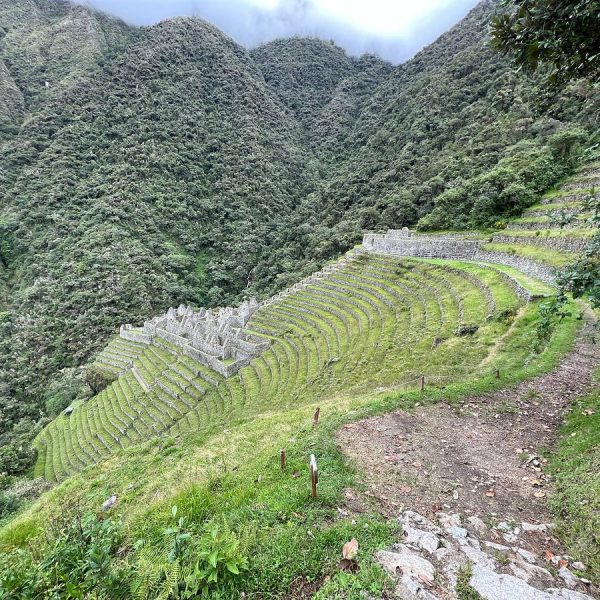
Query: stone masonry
{"x": 402, "y": 242}
{"x": 217, "y": 338}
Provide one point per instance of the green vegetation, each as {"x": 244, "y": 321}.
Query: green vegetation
{"x": 230, "y": 478}
{"x": 375, "y": 322}
{"x": 142, "y": 168}
{"x": 258, "y": 520}
{"x": 582, "y": 277}
{"x": 562, "y": 36}
{"x": 554, "y": 258}
{"x": 463, "y": 590}
{"x": 576, "y": 500}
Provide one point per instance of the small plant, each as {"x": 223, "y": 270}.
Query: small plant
{"x": 179, "y": 536}
{"x": 550, "y": 313}
{"x": 464, "y": 591}
{"x": 193, "y": 567}
{"x": 220, "y": 558}
{"x": 562, "y": 218}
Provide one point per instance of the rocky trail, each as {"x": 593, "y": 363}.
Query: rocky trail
{"x": 469, "y": 487}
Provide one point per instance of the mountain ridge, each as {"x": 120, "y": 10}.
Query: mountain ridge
{"x": 151, "y": 166}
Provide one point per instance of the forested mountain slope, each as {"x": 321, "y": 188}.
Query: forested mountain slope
{"x": 171, "y": 150}
{"x": 438, "y": 122}
{"x": 320, "y": 84}
{"x": 142, "y": 168}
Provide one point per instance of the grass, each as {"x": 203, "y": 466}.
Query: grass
{"x": 464, "y": 591}
{"x": 231, "y": 471}
{"x": 532, "y": 285}
{"x": 575, "y": 467}
{"x": 551, "y": 233}
{"x": 548, "y": 219}
{"x": 355, "y": 344}
{"x": 575, "y": 204}
{"x": 161, "y": 466}
{"x": 553, "y": 258}
{"x": 374, "y": 323}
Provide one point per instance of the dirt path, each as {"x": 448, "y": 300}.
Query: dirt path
{"x": 480, "y": 459}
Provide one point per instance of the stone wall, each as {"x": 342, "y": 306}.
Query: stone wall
{"x": 405, "y": 243}
{"x": 563, "y": 244}
{"x": 134, "y": 334}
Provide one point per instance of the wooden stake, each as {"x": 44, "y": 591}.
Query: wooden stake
{"x": 314, "y": 476}
{"x": 497, "y": 373}
{"x": 282, "y": 459}
{"x": 316, "y": 415}
{"x": 422, "y": 382}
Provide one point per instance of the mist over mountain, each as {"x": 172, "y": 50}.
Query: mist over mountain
{"x": 402, "y": 29}
{"x": 145, "y": 167}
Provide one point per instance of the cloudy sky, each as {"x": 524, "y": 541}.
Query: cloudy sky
{"x": 394, "y": 29}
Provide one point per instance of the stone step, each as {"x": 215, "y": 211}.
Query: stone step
{"x": 434, "y": 561}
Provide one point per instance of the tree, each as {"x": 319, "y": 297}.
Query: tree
{"x": 582, "y": 278}
{"x": 560, "y": 34}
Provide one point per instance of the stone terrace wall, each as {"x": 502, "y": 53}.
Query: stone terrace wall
{"x": 405, "y": 243}
{"x": 563, "y": 244}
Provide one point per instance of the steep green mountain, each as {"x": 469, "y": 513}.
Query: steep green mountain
{"x": 437, "y": 123}
{"x": 170, "y": 154}
{"x": 320, "y": 84}
{"x": 142, "y": 168}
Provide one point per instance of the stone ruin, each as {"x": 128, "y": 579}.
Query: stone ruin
{"x": 217, "y": 338}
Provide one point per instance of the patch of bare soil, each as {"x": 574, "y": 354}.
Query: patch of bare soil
{"x": 481, "y": 459}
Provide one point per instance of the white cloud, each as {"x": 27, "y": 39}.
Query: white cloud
{"x": 383, "y": 17}
{"x": 394, "y": 29}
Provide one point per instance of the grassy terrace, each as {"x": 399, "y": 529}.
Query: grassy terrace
{"x": 553, "y": 258}
{"x": 553, "y": 233}
{"x": 232, "y": 471}
{"x": 534, "y": 286}
{"x": 376, "y": 322}
{"x": 547, "y": 219}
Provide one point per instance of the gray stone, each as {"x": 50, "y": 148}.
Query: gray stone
{"x": 562, "y": 594}
{"x": 530, "y": 557}
{"x": 570, "y": 580}
{"x": 529, "y": 573}
{"x": 423, "y": 540}
{"x": 529, "y": 527}
{"x": 406, "y": 564}
{"x": 477, "y": 556}
{"x": 477, "y": 525}
{"x": 448, "y": 520}
{"x": 498, "y": 547}
{"x": 494, "y": 586}
{"x": 409, "y": 517}
{"x": 409, "y": 589}
{"x": 579, "y": 566}
{"x": 458, "y": 533}
{"x": 109, "y": 503}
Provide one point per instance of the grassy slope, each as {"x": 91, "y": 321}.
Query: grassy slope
{"x": 399, "y": 317}
{"x": 576, "y": 470}
{"x": 554, "y": 258}
{"x": 234, "y": 473}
